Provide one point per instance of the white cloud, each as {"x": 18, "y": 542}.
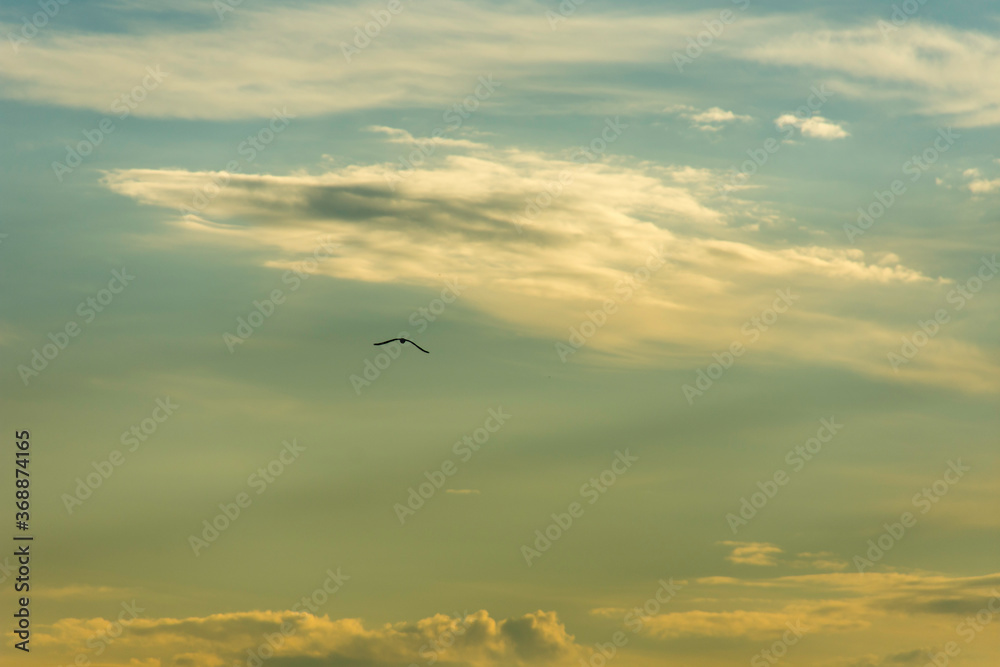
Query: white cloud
{"x": 708, "y": 120}
{"x": 718, "y": 115}
{"x": 398, "y": 136}
{"x": 431, "y": 55}
{"x": 814, "y": 126}
{"x": 984, "y": 186}
{"x": 979, "y": 184}
{"x": 297, "y": 51}
{"x": 933, "y": 69}
{"x": 541, "y": 270}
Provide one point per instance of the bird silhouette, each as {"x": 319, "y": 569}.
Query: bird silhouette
{"x": 403, "y": 340}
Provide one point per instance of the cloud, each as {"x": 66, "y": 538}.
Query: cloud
{"x": 916, "y": 656}
{"x": 824, "y": 603}
{"x": 717, "y": 115}
{"x": 478, "y": 640}
{"x": 814, "y": 126}
{"x": 299, "y": 53}
{"x": 823, "y": 560}
{"x": 768, "y": 555}
{"x": 978, "y": 183}
{"x": 403, "y": 137}
{"x": 754, "y": 625}
{"x": 984, "y": 186}
{"x": 298, "y": 60}
{"x": 463, "y": 492}
{"x": 931, "y": 69}
{"x": 906, "y": 607}
{"x": 540, "y": 240}
{"x": 910, "y": 593}
{"x": 752, "y": 553}
{"x": 913, "y": 657}
{"x": 709, "y": 120}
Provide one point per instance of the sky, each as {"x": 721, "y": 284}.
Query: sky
{"x": 708, "y": 294}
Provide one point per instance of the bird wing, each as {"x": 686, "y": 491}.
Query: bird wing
{"x": 416, "y": 346}
{"x": 391, "y": 340}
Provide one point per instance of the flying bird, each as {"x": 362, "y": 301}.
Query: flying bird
{"x": 403, "y": 340}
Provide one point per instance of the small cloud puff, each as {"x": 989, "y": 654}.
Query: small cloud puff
{"x": 816, "y": 127}
{"x": 980, "y": 185}
{"x": 752, "y": 553}
{"x": 709, "y": 120}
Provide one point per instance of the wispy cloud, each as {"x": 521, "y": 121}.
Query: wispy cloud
{"x": 398, "y": 136}
{"x": 931, "y": 69}
{"x": 752, "y": 553}
{"x": 297, "y": 61}
{"x": 456, "y": 215}
{"x": 708, "y": 120}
